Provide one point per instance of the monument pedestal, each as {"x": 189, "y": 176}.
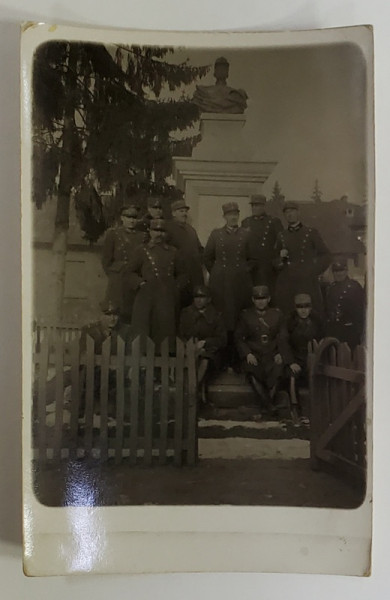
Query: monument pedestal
{"x": 221, "y": 169}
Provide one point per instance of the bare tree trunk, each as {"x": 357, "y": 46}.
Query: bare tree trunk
{"x": 60, "y": 239}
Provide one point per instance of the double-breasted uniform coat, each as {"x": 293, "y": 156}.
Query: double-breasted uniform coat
{"x": 308, "y": 257}
{"x": 118, "y": 248}
{"x": 263, "y": 334}
{"x": 229, "y": 258}
{"x": 264, "y": 229}
{"x": 345, "y": 308}
{"x": 157, "y": 275}
{"x": 185, "y": 239}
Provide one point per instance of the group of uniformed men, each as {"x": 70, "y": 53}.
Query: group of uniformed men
{"x": 263, "y": 301}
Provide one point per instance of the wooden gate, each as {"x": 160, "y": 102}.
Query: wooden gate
{"x": 130, "y": 402}
{"x": 338, "y": 409}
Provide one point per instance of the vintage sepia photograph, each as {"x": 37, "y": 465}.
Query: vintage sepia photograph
{"x": 201, "y": 220}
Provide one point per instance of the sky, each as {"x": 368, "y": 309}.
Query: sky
{"x": 306, "y": 110}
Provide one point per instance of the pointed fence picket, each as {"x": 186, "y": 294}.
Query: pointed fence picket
{"x": 123, "y": 401}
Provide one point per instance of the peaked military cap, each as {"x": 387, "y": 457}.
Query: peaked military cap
{"x": 178, "y": 204}
{"x": 154, "y": 202}
{"x": 130, "y": 211}
{"x": 230, "y": 207}
{"x": 260, "y": 291}
{"x": 109, "y": 308}
{"x": 290, "y": 205}
{"x": 157, "y": 225}
{"x": 301, "y": 299}
{"x": 340, "y": 265}
{"x": 201, "y": 290}
{"x": 258, "y": 199}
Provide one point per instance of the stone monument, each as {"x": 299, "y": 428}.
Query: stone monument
{"x": 223, "y": 167}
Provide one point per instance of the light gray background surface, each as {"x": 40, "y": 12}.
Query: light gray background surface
{"x": 196, "y": 15}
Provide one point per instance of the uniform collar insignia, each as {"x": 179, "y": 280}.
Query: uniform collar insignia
{"x": 295, "y": 227}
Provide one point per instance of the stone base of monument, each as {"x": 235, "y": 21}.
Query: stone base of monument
{"x": 231, "y": 390}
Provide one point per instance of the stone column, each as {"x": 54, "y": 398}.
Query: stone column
{"x": 221, "y": 169}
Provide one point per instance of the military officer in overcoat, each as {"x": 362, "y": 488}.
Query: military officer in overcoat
{"x": 184, "y": 238}
{"x": 300, "y": 257}
{"x": 157, "y": 275}
{"x": 202, "y": 322}
{"x": 345, "y": 307}
{"x": 265, "y": 230}
{"x": 262, "y": 343}
{"x": 229, "y": 258}
{"x": 154, "y": 211}
{"x": 118, "y": 248}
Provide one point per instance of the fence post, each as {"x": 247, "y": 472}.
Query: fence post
{"x": 192, "y": 434}
{"x": 89, "y": 393}
{"x": 104, "y": 390}
{"x": 179, "y": 402}
{"x": 134, "y": 397}
{"x": 59, "y": 397}
{"x": 75, "y": 397}
{"x": 148, "y": 414}
{"x": 164, "y": 401}
{"x": 43, "y": 363}
{"x": 359, "y": 360}
{"x": 120, "y": 399}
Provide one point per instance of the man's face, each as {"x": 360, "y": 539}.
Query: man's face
{"x": 291, "y": 215}
{"x": 258, "y": 209}
{"x": 201, "y": 302}
{"x": 261, "y": 303}
{"x": 156, "y": 235}
{"x": 303, "y": 310}
{"x": 109, "y": 320}
{"x": 129, "y": 221}
{"x": 180, "y": 215}
{"x": 340, "y": 275}
{"x": 155, "y": 212}
{"x": 232, "y": 218}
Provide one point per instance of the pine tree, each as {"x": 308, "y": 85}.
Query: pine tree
{"x": 317, "y": 194}
{"x": 277, "y": 195}
{"x": 100, "y": 123}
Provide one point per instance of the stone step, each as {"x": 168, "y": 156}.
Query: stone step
{"x": 231, "y": 390}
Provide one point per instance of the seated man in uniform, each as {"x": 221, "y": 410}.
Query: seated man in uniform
{"x": 108, "y": 326}
{"x": 303, "y": 326}
{"x": 202, "y": 322}
{"x": 262, "y": 343}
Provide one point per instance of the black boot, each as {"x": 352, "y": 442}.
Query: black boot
{"x": 262, "y": 393}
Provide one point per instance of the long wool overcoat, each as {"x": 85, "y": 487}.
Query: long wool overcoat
{"x": 229, "y": 258}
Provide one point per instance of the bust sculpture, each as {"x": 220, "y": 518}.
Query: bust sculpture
{"x": 220, "y": 98}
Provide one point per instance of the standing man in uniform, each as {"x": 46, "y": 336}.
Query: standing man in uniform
{"x": 154, "y": 211}
{"x": 157, "y": 276}
{"x": 262, "y": 343}
{"x": 345, "y": 307}
{"x": 118, "y": 248}
{"x": 264, "y": 229}
{"x": 184, "y": 238}
{"x": 229, "y": 258}
{"x": 301, "y": 257}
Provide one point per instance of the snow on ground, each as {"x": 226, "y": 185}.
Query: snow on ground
{"x": 247, "y": 424}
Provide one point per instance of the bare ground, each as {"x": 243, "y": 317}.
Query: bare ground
{"x": 211, "y": 482}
